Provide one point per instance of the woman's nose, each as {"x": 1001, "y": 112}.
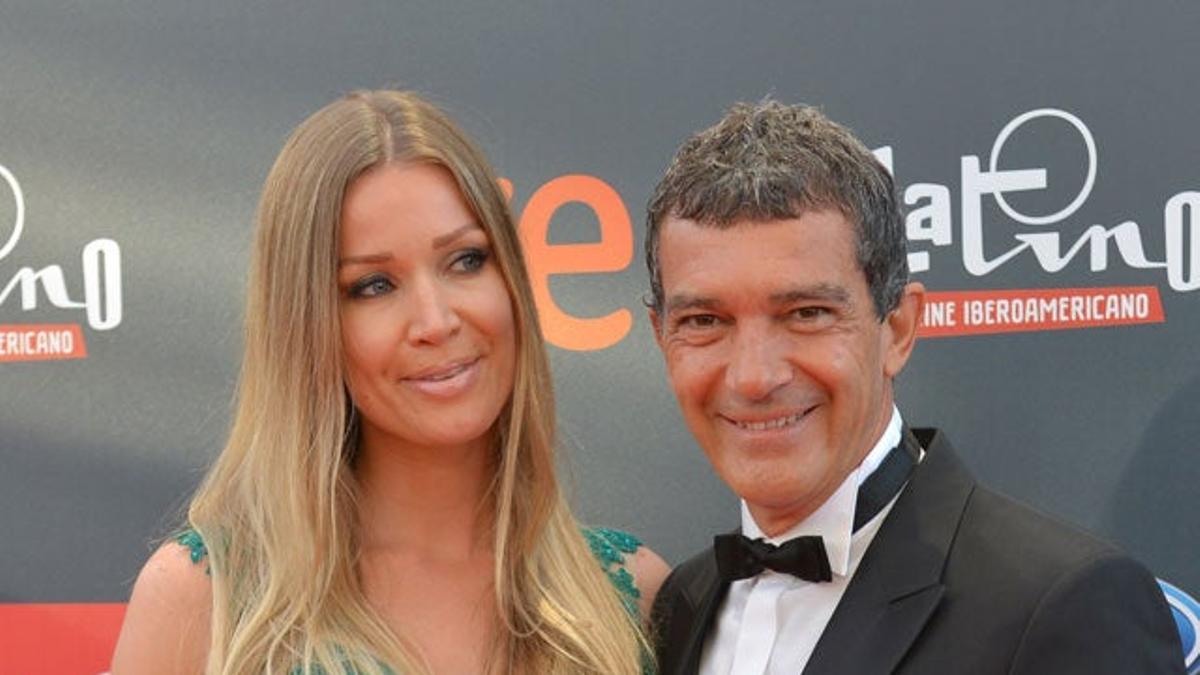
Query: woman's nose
{"x": 434, "y": 317}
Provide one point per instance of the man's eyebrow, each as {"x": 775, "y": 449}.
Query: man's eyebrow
{"x": 450, "y": 237}
{"x": 682, "y": 301}
{"x": 365, "y": 259}
{"x": 822, "y": 292}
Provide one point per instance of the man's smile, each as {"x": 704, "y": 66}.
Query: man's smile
{"x": 768, "y": 422}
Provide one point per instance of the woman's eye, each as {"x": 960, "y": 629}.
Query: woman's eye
{"x": 371, "y": 286}
{"x": 470, "y": 260}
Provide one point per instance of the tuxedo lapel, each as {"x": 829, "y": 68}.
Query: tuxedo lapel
{"x": 898, "y": 584}
{"x": 693, "y": 608}
{"x": 708, "y": 591}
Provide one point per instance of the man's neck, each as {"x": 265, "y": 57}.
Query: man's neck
{"x": 774, "y": 521}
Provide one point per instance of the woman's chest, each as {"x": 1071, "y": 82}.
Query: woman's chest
{"x": 448, "y": 616}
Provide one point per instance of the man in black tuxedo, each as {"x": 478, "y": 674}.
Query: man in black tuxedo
{"x": 782, "y": 304}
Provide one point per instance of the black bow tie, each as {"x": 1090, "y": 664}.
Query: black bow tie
{"x": 739, "y": 557}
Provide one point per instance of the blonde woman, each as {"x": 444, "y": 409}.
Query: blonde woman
{"x": 387, "y": 500}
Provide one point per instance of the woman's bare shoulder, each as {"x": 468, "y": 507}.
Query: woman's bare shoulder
{"x": 649, "y": 571}
{"x": 166, "y": 627}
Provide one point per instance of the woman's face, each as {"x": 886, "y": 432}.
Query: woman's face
{"x": 427, "y": 324}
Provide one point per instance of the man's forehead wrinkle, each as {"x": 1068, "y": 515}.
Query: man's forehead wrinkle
{"x": 821, "y": 291}
{"x": 719, "y": 211}
{"x": 681, "y": 301}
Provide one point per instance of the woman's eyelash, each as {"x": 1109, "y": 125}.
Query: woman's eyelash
{"x": 369, "y": 286}
{"x": 472, "y": 259}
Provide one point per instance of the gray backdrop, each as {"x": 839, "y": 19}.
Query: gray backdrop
{"x": 153, "y": 124}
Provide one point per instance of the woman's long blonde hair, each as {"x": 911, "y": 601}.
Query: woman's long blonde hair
{"x": 277, "y": 508}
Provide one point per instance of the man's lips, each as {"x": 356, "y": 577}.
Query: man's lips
{"x": 772, "y": 421}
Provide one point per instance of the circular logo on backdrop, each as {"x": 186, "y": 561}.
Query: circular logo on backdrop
{"x": 7, "y": 243}
{"x": 1186, "y": 611}
{"x": 1080, "y": 197}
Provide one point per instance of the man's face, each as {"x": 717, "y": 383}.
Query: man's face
{"x": 780, "y": 364}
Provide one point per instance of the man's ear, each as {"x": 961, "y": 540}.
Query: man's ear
{"x": 900, "y": 329}
{"x": 656, "y": 322}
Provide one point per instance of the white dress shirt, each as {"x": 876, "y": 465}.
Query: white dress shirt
{"x": 769, "y": 624}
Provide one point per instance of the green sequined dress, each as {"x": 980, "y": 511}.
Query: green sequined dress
{"x": 608, "y": 545}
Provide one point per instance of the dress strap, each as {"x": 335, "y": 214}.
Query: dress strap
{"x": 610, "y": 547}
{"x": 191, "y": 539}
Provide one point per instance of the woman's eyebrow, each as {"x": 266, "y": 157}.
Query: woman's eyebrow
{"x": 450, "y": 237}
{"x": 368, "y": 258}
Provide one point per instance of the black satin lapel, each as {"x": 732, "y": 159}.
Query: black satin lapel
{"x": 706, "y": 590}
{"x": 897, "y": 587}
{"x": 898, "y": 628}
{"x": 879, "y": 637}
{"x": 685, "y": 608}
{"x": 912, "y": 445}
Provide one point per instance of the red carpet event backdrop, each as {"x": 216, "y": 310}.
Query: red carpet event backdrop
{"x": 1048, "y": 156}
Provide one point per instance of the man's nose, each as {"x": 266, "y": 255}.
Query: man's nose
{"x": 433, "y": 315}
{"x": 758, "y": 364}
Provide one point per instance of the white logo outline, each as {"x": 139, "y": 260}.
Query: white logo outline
{"x": 1084, "y": 192}
{"x": 19, "y": 222}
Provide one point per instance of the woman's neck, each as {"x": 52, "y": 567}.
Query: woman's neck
{"x": 432, "y": 502}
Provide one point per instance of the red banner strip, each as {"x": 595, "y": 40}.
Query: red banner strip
{"x": 41, "y": 342}
{"x": 59, "y": 638}
{"x": 950, "y": 313}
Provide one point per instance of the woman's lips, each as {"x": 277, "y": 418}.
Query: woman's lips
{"x": 445, "y": 381}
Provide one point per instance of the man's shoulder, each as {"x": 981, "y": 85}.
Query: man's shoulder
{"x": 1034, "y": 533}
{"x": 1079, "y": 598}
{"x": 1054, "y": 597}
{"x": 1007, "y": 528}
{"x": 1015, "y": 553}
{"x": 1004, "y": 532}
{"x": 1014, "y": 545}
{"x": 691, "y": 577}
{"x": 677, "y": 606}
{"x": 699, "y": 564}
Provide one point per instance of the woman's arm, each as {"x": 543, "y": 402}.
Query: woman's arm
{"x": 166, "y": 628}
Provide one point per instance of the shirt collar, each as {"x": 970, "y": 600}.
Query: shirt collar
{"x": 834, "y": 520}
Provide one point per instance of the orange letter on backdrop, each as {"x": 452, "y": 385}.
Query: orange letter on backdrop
{"x": 611, "y": 253}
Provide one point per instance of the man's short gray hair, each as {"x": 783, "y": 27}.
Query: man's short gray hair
{"x": 771, "y": 161}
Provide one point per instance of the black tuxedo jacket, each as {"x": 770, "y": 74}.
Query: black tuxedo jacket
{"x": 960, "y": 579}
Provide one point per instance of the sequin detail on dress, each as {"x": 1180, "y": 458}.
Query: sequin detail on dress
{"x": 610, "y": 546}
{"x": 195, "y": 545}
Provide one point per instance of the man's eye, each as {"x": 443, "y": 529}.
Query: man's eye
{"x": 471, "y": 260}
{"x": 698, "y": 321}
{"x": 369, "y": 287}
{"x": 810, "y": 313}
